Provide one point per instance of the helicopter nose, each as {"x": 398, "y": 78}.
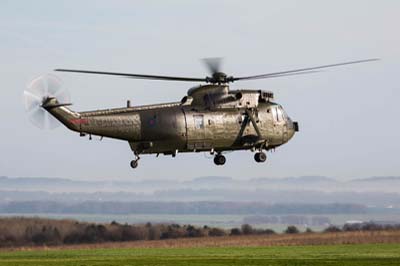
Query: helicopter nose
{"x": 293, "y": 127}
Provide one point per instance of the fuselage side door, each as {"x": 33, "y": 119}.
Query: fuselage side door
{"x": 196, "y": 123}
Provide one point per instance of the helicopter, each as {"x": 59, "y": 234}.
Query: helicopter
{"x": 210, "y": 118}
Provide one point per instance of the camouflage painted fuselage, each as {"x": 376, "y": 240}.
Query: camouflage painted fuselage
{"x": 209, "y": 118}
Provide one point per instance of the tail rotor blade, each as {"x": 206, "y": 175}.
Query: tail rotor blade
{"x": 31, "y": 101}
{"x": 54, "y": 84}
{"x": 51, "y": 122}
{"x": 38, "y": 87}
{"x": 38, "y": 118}
{"x": 62, "y": 96}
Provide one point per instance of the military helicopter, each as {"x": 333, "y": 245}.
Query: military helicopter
{"x": 210, "y": 118}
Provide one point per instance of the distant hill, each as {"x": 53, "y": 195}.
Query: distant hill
{"x": 212, "y": 179}
{"x": 310, "y": 183}
{"x": 300, "y": 179}
{"x": 157, "y": 207}
{"x": 310, "y": 179}
{"x": 378, "y": 179}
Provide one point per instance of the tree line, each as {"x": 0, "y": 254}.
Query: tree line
{"x": 19, "y": 231}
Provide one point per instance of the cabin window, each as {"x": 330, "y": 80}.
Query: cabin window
{"x": 275, "y": 114}
{"x": 198, "y": 121}
{"x": 278, "y": 114}
{"x": 282, "y": 114}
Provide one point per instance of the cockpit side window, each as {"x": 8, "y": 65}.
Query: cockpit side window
{"x": 278, "y": 113}
{"x": 275, "y": 113}
{"x": 281, "y": 113}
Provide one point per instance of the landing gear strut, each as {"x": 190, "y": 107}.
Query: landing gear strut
{"x": 135, "y": 163}
{"x": 219, "y": 159}
{"x": 260, "y": 157}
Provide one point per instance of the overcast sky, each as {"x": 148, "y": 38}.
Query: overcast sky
{"x": 348, "y": 116}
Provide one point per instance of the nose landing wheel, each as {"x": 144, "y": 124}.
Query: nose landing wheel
{"x": 260, "y": 157}
{"x": 219, "y": 159}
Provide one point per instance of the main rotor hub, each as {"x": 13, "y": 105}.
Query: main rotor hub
{"x": 219, "y": 77}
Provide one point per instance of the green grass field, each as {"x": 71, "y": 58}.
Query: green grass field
{"x": 363, "y": 255}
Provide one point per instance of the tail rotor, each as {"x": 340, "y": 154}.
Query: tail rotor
{"x": 40, "y": 90}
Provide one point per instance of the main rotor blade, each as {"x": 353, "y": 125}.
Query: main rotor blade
{"x": 293, "y": 74}
{"x": 301, "y": 70}
{"x": 135, "y": 76}
{"x": 213, "y": 64}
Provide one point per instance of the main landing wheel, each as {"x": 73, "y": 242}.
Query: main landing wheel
{"x": 260, "y": 157}
{"x": 134, "y": 164}
{"x": 219, "y": 159}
